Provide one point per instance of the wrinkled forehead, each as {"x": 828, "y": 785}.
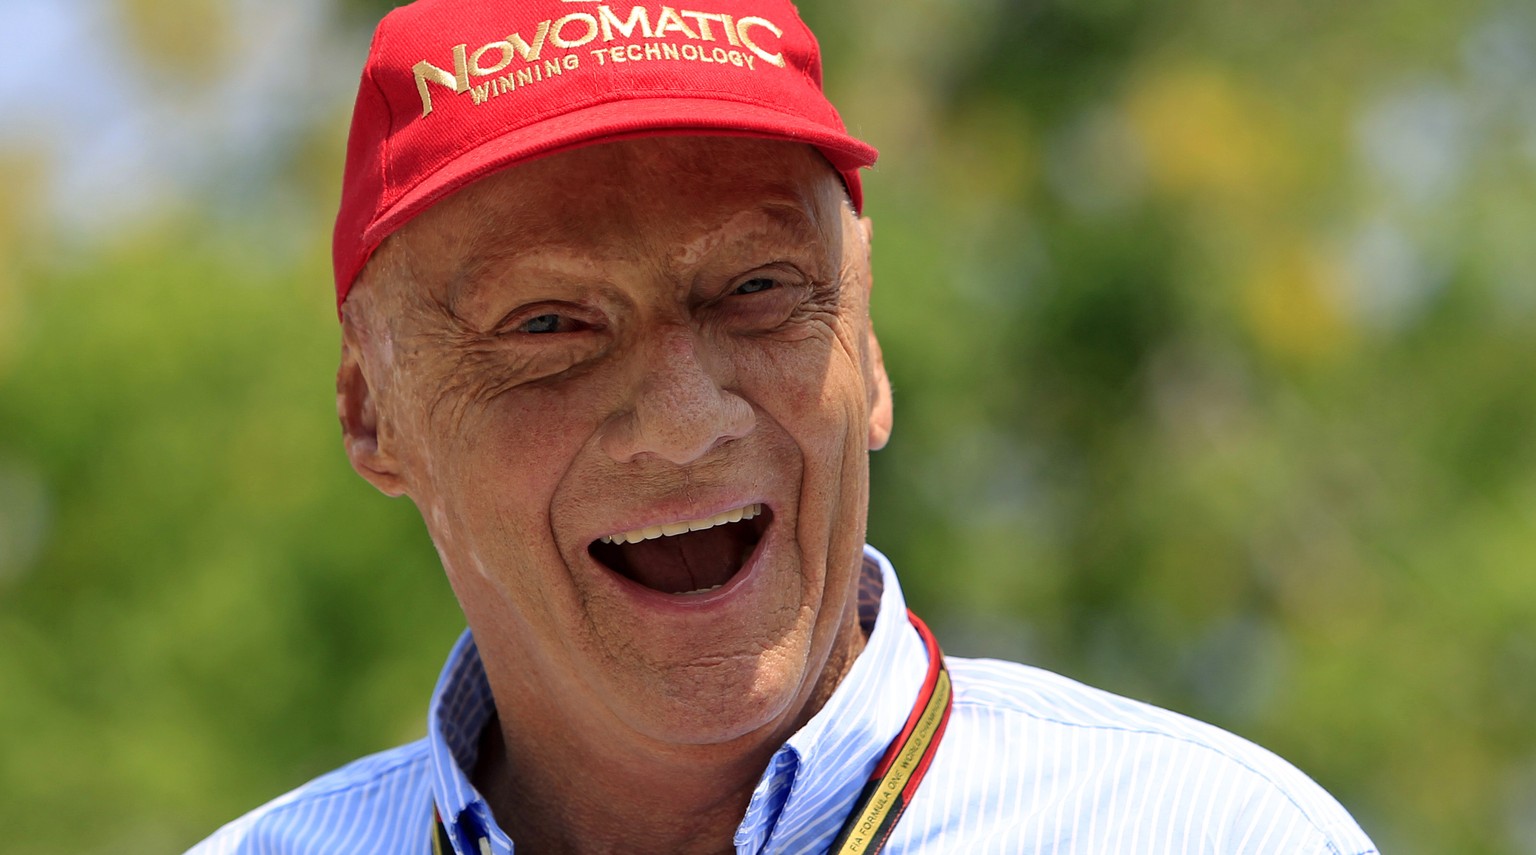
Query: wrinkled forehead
{"x": 654, "y": 194}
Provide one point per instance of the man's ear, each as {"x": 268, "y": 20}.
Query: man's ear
{"x": 356, "y": 407}
{"x": 881, "y": 413}
{"x": 878, "y": 384}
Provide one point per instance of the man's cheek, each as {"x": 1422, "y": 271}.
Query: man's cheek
{"x": 805, "y": 378}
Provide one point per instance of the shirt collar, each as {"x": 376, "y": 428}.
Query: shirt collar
{"x": 810, "y": 783}
{"x": 462, "y": 703}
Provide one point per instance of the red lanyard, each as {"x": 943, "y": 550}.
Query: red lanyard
{"x": 890, "y": 787}
{"x": 906, "y": 761}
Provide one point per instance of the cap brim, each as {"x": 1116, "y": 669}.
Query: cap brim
{"x": 617, "y": 120}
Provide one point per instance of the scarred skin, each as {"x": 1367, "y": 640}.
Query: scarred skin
{"x": 612, "y": 337}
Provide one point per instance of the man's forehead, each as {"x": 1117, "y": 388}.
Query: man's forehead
{"x": 591, "y": 199}
{"x": 676, "y": 165}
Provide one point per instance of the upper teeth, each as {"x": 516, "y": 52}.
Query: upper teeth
{"x": 655, "y": 531}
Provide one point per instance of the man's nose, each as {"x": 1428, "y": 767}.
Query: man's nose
{"x": 680, "y": 411}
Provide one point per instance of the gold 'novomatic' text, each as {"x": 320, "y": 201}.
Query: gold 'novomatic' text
{"x": 743, "y": 35}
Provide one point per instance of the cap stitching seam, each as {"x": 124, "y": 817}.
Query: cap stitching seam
{"x": 804, "y": 69}
{"x": 389, "y": 117}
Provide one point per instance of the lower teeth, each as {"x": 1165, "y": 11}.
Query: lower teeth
{"x": 703, "y": 590}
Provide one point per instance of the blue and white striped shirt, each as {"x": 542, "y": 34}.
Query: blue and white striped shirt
{"x": 1031, "y": 762}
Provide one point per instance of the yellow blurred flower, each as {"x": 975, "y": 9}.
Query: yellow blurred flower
{"x": 1204, "y": 135}
{"x": 1291, "y": 300}
{"x": 186, "y": 39}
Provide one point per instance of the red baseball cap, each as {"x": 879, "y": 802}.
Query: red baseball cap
{"x": 454, "y": 90}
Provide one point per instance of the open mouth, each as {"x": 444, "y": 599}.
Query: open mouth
{"x": 686, "y": 557}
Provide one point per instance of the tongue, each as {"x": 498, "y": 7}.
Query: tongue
{"x": 686, "y": 562}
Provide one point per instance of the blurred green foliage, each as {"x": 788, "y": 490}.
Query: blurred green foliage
{"x": 1213, "y": 331}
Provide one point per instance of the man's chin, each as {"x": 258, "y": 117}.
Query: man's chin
{"x": 725, "y": 702}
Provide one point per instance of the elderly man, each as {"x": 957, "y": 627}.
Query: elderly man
{"x": 604, "y": 295}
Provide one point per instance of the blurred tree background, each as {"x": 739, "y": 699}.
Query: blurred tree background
{"x": 1212, "y": 325}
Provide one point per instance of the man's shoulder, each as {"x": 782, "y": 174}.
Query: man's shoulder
{"x": 1001, "y": 687}
{"x": 1072, "y": 750}
{"x": 1072, "y": 712}
{"x": 373, "y": 804}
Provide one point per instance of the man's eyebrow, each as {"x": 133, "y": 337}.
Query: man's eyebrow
{"x": 472, "y": 270}
{"x": 793, "y": 214}
{"x": 790, "y": 212}
{"x": 487, "y": 244}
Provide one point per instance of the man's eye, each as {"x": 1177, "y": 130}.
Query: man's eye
{"x": 543, "y": 324}
{"x": 559, "y": 321}
{"x": 753, "y": 286}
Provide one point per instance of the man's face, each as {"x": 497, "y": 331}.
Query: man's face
{"x": 616, "y": 342}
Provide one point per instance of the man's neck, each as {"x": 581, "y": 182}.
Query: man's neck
{"x": 652, "y": 807}
{"x": 555, "y": 792}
